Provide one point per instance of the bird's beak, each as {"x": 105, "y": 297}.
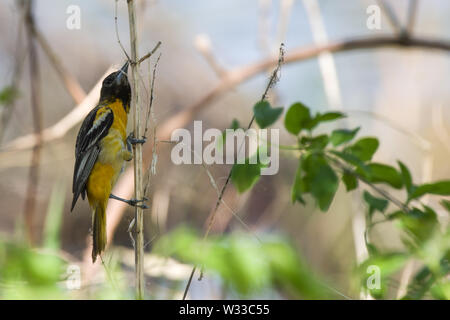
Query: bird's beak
{"x": 123, "y": 73}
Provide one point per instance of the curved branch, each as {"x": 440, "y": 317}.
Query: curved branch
{"x": 241, "y": 74}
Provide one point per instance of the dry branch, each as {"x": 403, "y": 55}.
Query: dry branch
{"x": 137, "y": 148}
{"x": 36, "y": 110}
{"x": 59, "y": 129}
{"x": 241, "y": 74}
{"x": 70, "y": 82}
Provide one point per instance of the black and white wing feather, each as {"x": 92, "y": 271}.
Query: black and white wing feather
{"x": 87, "y": 148}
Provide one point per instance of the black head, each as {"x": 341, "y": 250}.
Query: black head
{"x": 116, "y": 86}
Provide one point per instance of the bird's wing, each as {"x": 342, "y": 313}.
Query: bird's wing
{"x": 94, "y": 128}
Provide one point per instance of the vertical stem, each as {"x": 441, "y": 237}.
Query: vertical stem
{"x": 138, "y": 176}
{"x": 30, "y": 202}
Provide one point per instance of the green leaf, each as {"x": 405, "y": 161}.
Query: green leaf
{"x": 353, "y": 160}
{"x": 297, "y": 118}
{"x": 382, "y": 173}
{"x": 244, "y": 176}
{"x": 419, "y": 223}
{"x": 320, "y": 179}
{"x": 406, "y": 177}
{"x": 8, "y": 94}
{"x": 386, "y": 264}
{"x": 298, "y": 188}
{"x": 265, "y": 115}
{"x": 235, "y": 124}
{"x": 441, "y": 188}
{"x": 445, "y": 204}
{"x": 364, "y": 148}
{"x": 374, "y": 203}
{"x": 350, "y": 181}
{"x": 315, "y": 143}
{"x": 329, "y": 116}
{"x": 341, "y": 136}
{"x": 420, "y": 284}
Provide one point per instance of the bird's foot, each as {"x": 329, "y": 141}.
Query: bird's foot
{"x": 132, "y": 202}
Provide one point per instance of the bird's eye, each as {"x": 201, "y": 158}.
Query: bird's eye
{"x": 108, "y": 82}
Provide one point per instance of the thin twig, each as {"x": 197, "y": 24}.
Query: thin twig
{"x": 383, "y": 193}
{"x": 272, "y": 81}
{"x": 71, "y": 84}
{"x": 148, "y": 55}
{"x": 30, "y": 201}
{"x": 412, "y": 12}
{"x": 137, "y": 148}
{"x": 117, "y": 31}
{"x": 392, "y": 17}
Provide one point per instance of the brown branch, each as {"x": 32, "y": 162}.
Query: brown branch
{"x": 412, "y": 12}
{"x": 137, "y": 151}
{"x": 59, "y": 129}
{"x": 241, "y": 74}
{"x": 70, "y": 82}
{"x": 392, "y": 17}
{"x": 30, "y": 201}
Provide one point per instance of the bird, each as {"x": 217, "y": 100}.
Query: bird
{"x": 101, "y": 149}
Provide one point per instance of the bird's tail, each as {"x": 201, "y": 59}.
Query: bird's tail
{"x": 98, "y": 231}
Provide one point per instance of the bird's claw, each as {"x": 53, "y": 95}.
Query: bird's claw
{"x": 132, "y": 140}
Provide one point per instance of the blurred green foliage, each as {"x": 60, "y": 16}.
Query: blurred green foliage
{"x": 246, "y": 264}
{"x": 8, "y": 94}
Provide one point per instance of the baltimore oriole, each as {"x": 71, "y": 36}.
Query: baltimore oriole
{"x": 101, "y": 148}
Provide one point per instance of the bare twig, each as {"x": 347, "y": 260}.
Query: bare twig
{"x": 392, "y": 17}
{"x": 70, "y": 82}
{"x": 148, "y": 55}
{"x": 203, "y": 45}
{"x": 30, "y": 202}
{"x": 272, "y": 81}
{"x": 117, "y": 31}
{"x": 380, "y": 191}
{"x": 412, "y": 11}
{"x": 137, "y": 148}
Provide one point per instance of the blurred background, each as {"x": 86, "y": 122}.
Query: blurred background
{"x": 398, "y": 94}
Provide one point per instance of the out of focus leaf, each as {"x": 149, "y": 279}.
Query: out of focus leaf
{"x": 374, "y": 203}
{"x": 354, "y": 161}
{"x": 329, "y": 116}
{"x": 297, "y": 118}
{"x": 340, "y": 136}
{"x": 244, "y": 176}
{"x": 298, "y": 187}
{"x": 315, "y": 143}
{"x": 8, "y": 95}
{"x": 441, "y": 188}
{"x": 419, "y": 223}
{"x": 265, "y": 115}
{"x": 380, "y": 267}
{"x": 363, "y": 148}
{"x": 247, "y": 265}
{"x": 382, "y": 173}
{"x": 406, "y": 176}
{"x": 350, "y": 181}
{"x": 320, "y": 179}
